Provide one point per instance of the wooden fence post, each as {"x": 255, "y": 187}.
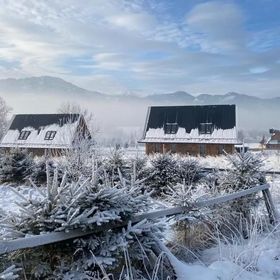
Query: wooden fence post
{"x": 272, "y": 213}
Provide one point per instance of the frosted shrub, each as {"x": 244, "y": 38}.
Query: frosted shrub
{"x": 39, "y": 174}
{"x": 114, "y": 163}
{"x": 163, "y": 173}
{"x": 84, "y": 205}
{"x": 137, "y": 166}
{"x": 79, "y": 161}
{"x": 245, "y": 172}
{"x": 15, "y": 166}
{"x": 190, "y": 228}
{"x": 11, "y": 273}
{"x": 189, "y": 170}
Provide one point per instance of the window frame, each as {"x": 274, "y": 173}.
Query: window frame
{"x": 50, "y": 134}
{"x": 206, "y": 128}
{"x": 24, "y": 134}
{"x": 171, "y": 128}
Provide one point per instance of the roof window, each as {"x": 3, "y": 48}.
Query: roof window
{"x": 50, "y": 135}
{"x": 171, "y": 128}
{"x": 24, "y": 135}
{"x": 206, "y": 128}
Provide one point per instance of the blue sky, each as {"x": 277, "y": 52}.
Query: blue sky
{"x": 145, "y": 46}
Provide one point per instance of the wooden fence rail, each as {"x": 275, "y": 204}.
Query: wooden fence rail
{"x": 213, "y": 169}
{"x": 53, "y": 237}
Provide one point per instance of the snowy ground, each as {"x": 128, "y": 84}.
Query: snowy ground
{"x": 271, "y": 158}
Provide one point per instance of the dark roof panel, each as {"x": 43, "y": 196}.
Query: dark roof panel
{"x": 190, "y": 117}
{"x": 41, "y": 120}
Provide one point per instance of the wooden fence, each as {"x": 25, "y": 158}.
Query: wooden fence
{"x": 213, "y": 169}
{"x": 53, "y": 237}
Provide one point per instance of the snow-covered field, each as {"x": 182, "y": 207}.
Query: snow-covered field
{"x": 256, "y": 258}
{"x": 271, "y": 158}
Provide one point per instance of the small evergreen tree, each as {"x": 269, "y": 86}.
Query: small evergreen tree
{"x": 85, "y": 205}
{"x": 11, "y": 273}
{"x": 163, "y": 173}
{"x": 137, "y": 166}
{"x": 39, "y": 174}
{"x": 190, "y": 170}
{"x": 15, "y": 166}
{"x": 113, "y": 164}
{"x": 245, "y": 172}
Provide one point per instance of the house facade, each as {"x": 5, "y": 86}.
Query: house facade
{"x": 192, "y": 130}
{"x": 273, "y": 142}
{"x": 44, "y": 134}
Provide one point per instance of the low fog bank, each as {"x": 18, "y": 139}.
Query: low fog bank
{"x": 122, "y": 121}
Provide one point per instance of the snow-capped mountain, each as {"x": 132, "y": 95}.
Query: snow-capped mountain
{"x": 43, "y": 84}
{"x": 45, "y": 94}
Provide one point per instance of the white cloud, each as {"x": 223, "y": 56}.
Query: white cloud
{"x": 221, "y": 24}
{"x": 259, "y": 70}
{"x": 118, "y": 45}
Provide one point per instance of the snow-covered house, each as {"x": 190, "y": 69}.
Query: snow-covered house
{"x": 194, "y": 130}
{"x": 45, "y": 133}
{"x": 273, "y": 142}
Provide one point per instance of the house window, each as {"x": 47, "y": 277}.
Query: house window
{"x": 206, "y": 128}
{"x": 170, "y": 128}
{"x": 50, "y": 135}
{"x": 24, "y": 135}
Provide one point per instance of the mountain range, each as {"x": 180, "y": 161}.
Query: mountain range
{"x": 45, "y": 93}
{"x": 57, "y": 86}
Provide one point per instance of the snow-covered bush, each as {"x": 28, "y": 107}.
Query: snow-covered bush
{"x": 191, "y": 228}
{"x": 84, "y": 205}
{"x": 39, "y": 173}
{"x": 11, "y": 273}
{"x": 137, "y": 167}
{"x": 245, "y": 172}
{"x": 79, "y": 161}
{"x": 163, "y": 173}
{"x": 113, "y": 164}
{"x": 189, "y": 170}
{"x": 15, "y": 165}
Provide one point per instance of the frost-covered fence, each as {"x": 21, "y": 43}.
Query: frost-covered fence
{"x": 49, "y": 238}
{"x": 212, "y": 169}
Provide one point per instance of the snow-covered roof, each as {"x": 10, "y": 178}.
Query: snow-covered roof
{"x": 275, "y": 137}
{"x": 191, "y": 124}
{"x": 63, "y": 126}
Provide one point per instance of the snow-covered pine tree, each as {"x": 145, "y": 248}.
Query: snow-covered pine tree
{"x": 137, "y": 167}
{"x": 11, "y": 273}
{"x": 114, "y": 163}
{"x": 190, "y": 229}
{"x": 39, "y": 174}
{"x": 245, "y": 172}
{"x": 190, "y": 170}
{"x": 78, "y": 162}
{"x": 15, "y": 165}
{"x": 163, "y": 173}
{"x": 85, "y": 205}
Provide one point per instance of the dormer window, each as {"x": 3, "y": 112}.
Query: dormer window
{"x": 50, "y": 135}
{"x": 24, "y": 135}
{"x": 170, "y": 128}
{"x": 206, "y": 128}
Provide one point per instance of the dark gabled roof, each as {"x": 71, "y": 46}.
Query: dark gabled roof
{"x": 41, "y": 120}
{"x": 190, "y": 117}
